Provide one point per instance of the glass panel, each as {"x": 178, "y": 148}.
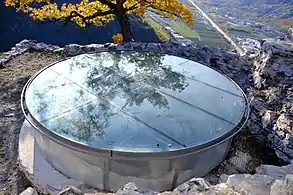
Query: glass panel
{"x": 99, "y": 125}
{"x": 85, "y": 70}
{"x": 50, "y": 95}
{"x": 201, "y": 73}
{"x": 133, "y": 101}
{"x": 187, "y": 125}
{"x": 226, "y": 106}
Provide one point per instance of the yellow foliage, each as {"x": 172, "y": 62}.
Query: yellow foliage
{"x": 117, "y": 38}
{"x": 100, "y": 12}
{"x": 159, "y": 30}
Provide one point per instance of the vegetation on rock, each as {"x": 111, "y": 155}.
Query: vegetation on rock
{"x": 99, "y": 12}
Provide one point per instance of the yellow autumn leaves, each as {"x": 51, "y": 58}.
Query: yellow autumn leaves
{"x": 85, "y": 8}
{"x": 117, "y": 38}
{"x": 86, "y": 12}
{"x": 166, "y": 8}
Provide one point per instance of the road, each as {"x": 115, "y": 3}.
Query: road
{"x": 227, "y": 37}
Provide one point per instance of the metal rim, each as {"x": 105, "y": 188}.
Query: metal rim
{"x": 108, "y": 153}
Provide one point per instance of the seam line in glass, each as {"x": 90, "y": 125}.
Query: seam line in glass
{"x": 205, "y": 82}
{"x": 194, "y": 106}
{"x": 223, "y": 90}
{"x": 55, "y": 116}
{"x": 129, "y": 115}
{"x": 214, "y": 115}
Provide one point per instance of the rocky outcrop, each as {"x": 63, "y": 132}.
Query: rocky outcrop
{"x": 267, "y": 79}
{"x": 23, "y": 46}
{"x": 29, "y": 191}
{"x": 290, "y": 33}
{"x": 272, "y": 92}
{"x": 229, "y": 63}
{"x": 268, "y": 180}
{"x": 275, "y": 171}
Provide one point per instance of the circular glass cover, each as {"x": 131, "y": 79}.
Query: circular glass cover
{"x": 135, "y": 101}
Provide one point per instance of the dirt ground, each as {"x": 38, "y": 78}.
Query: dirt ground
{"x": 12, "y": 81}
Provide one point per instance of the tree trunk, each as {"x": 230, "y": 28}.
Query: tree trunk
{"x": 124, "y": 21}
{"x": 125, "y": 27}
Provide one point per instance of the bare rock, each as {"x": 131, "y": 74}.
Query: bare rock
{"x": 272, "y": 96}
{"x": 268, "y": 118}
{"x": 224, "y": 178}
{"x": 72, "y": 49}
{"x": 251, "y": 184}
{"x": 71, "y": 190}
{"x": 132, "y": 189}
{"x": 290, "y": 33}
{"x": 275, "y": 171}
{"x": 129, "y": 188}
{"x": 193, "y": 186}
{"x": 284, "y": 122}
{"x": 29, "y": 191}
{"x": 221, "y": 189}
{"x": 268, "y": 78}
{"x": 283, "y": 187}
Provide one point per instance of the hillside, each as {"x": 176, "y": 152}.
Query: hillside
{"x": 251, "y": 18}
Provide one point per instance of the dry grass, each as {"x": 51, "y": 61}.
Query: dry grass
{"x": 12, "y": 80}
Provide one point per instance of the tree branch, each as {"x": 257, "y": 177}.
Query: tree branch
{"x": 162, "y": 10}
{"x": 92, "y": 16}
{"x": 106, "y": 2}
{"x": 74, "y": 14}
{"x": 132, "y": 7}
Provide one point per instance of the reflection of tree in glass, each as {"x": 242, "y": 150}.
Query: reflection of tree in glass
{"x": 154, "y": 73}
{"x": 42, "y": 106}
{"x": 131, "y": 76}
{"x": 40, "y": 100}
{"x": 134, "y": 76}
{"x": 87, "y": 123}
{"x": 46, "y": 99}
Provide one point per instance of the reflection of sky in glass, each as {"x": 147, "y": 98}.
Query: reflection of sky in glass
{"x": 50, "y": 94}
{"x": 135, "y": 101}
{"x": 200, "y": 73}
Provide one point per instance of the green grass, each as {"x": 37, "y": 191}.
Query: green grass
{"x": 159, "y": 30}
{"x": 202, "y": 30}
{"x": 209, "y": 36}
{"x": 184, "y": 30}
